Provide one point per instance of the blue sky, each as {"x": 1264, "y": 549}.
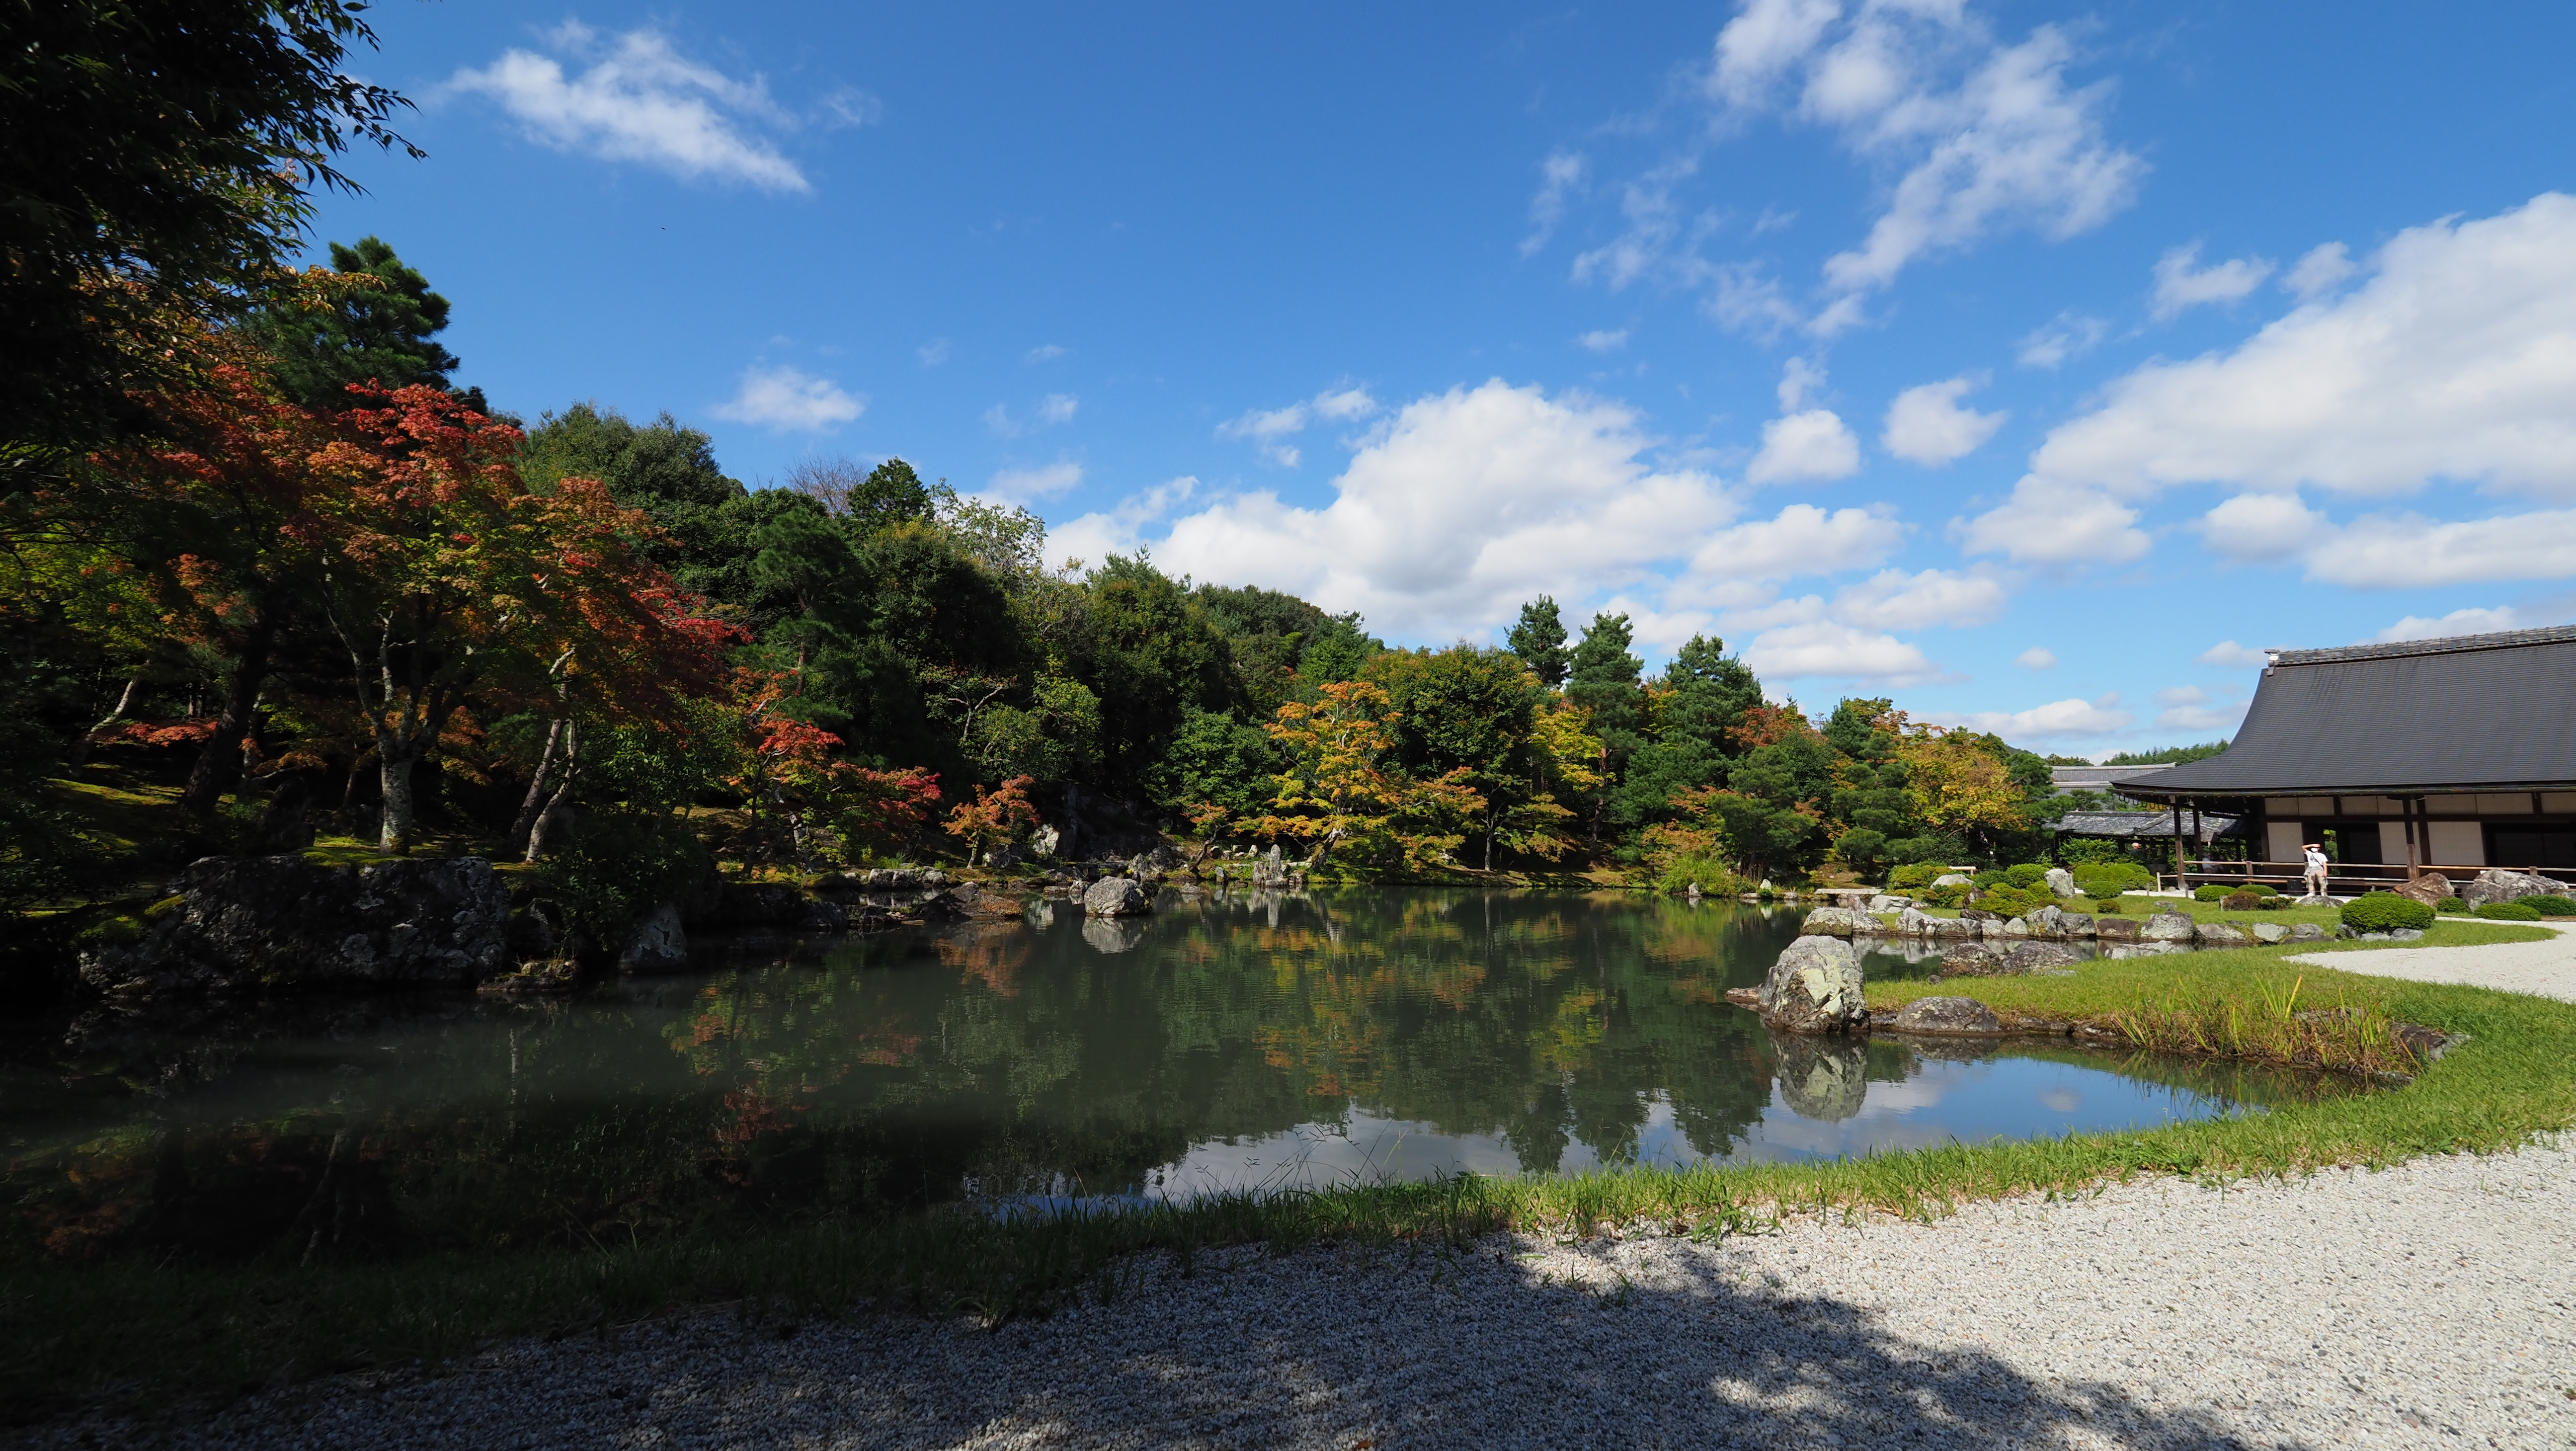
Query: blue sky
{"x": 2032, "y": 365}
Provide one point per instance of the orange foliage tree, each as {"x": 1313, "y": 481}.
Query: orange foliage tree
{"x": 993, "y": 817}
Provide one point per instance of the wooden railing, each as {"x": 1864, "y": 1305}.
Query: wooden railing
{"x": 2342, "y": 878}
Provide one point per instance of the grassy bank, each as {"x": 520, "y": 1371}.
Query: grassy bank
{"x": 139, "y": 1333}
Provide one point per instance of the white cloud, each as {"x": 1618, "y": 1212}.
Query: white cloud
{"x": 2011, "y": 146}
{"x": 2228, "y": 652}
{"x": 2050, "y": 523}
{"x": 1800, "y": 539}
{"x": 1760, "y": 45}
{"x": 2200, "y": 717}
{"x": 639, "y": 100}
{"x": 1271, "y": 428}
{"x": 1043, "y": 353}
{"x": 1811, "y": 445}
{"x": 2397, "y": 551}
{"x": 1560, "y": 175}
{"x": 2455, "y": 360}
{"x": 2182, "y": 284}
{"x": 1830, "y": 648}
{"x": 932, "y": 353}
{"x": 1603, "y": 340}
{"x": 2058, "y": 718}
{"x": 1895, "y": 600}
{"x": 786, "y": 398}
{"x": 2264, "y": 526}
{"x": 2182, "y": 695}
{"x": 2067, "y": 335}
{"x": 1042, "y": 482}
{"x": 2457, "y": 622}
{"x": 2322, "y": 270}
{"x": 2036, "y": 658}
{"x": 1094, "y": 537}
{"x": 1927, "y": 426}
{"x": 1053, "y": 409}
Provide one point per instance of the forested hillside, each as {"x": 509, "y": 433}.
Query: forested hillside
{"x": 276, "y": 576}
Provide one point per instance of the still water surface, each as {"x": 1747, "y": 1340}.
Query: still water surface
{"x": 1225, "y": 1043}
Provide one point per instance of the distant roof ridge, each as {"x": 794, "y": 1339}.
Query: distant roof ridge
{"x": 2446, "y": 645}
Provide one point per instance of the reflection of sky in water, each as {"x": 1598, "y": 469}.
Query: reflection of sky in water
{"x": 1938, "y": 1101}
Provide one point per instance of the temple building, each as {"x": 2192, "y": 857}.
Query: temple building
{"x": 2447, "y": 755}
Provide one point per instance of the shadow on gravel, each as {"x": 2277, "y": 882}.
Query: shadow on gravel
{"x": 1310, "y": 1351}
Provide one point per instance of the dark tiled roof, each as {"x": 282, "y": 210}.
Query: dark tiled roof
{"x": 2144, "y": 823}
{"x": 2447, "y": 645}
{"x": 2471, "y": 713}
{"x": 2065, "y": 779}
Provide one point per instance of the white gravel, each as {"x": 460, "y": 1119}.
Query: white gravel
{"x": 2543, "y": 969}
{"x": 2423, "y": 1306}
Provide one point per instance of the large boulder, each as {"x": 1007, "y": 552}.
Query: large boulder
{"x": 1971, "y": 959}
{"x": 1954, "y": 879}
{"x": 1946, "y": 1015}
{"x": 1116, "y": 897}
{"x": 1841, "y": 922}
{"x": 2307, "y": 932}
{"x": 2495, "y": 884}
{"x": 2428, "y": 889}
{"x": 1815, "y": 987}
{"x": 281, "y": 924}
{"x": 2062, "y": 882}
{"x": 2167, "y": 927}
{"x": 2030, "y": 957}
{"x": 658, "y": 943}
{"x": 2110, "y": 928}
{"x": 2270, "y": 932}
{"x": 2222, "y": 934}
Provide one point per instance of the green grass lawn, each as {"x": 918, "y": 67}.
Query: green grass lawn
{"x": 138, "y": 1333}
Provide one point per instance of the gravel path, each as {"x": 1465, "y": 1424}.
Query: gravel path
{"x": 2424, "y": 1306}
{"x": 2543, "y": 969}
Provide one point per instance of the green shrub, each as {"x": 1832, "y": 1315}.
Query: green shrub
{"x": 1990, "y": 877}
{"x": 1914, "y": 876}
{"x": 2028, "y": 874}
{"x": 2014, "y": 901}
{"x": 2107, "y": 904}
{"x": 2385, "y": 911}
{"x": 2452, "y": 904}
{"x": 2241, "y": 902}
{"x": 1953, "y": 895}
{"x": 2550, "y": 904}
{"x": 2102, "y": 878}
{"x": 1713, "y": 878}
{"x": 2259, "y": 889}
{"x": 616, "y": 866}
{"x": 2274, "y": 903}
{"x": 2521, "y": 911}
{"x": 2212, "y": 892}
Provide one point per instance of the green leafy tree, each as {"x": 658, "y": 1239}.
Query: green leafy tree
{"x": 1473, "y": 713}
{"x": 155, "y": 156}
{"x": 1869, "y": 804}
{"x": 1216, "y": 760}
{"x": 670, "y": 473}
{"x": 1693, "y": 711}
{"x": 1153, "y": 655}
{"x": 1539, "y": 639}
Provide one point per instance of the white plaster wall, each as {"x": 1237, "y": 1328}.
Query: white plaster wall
{"x": 2282, "y": 841}
{"x": 2458, "y": 844}
{"x": 2392, "y": 842}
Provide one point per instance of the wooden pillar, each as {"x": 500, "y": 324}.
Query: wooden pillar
{"x": 2182, "y": 869}
{"x": 2415, "y": 852}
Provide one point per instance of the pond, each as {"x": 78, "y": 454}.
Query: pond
{"x": 1228, "y": 1042}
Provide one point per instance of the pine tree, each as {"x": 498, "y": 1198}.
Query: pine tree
{"x": 374, "y": 322}
{"x": 1539, "y": 639}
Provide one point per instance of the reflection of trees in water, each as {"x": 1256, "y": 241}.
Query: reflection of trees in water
{"x": 893, "y": 1070}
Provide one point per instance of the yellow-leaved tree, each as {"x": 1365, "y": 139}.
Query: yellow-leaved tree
{"x": 1343, "y": 793}
{"x": 1956, "y": 785}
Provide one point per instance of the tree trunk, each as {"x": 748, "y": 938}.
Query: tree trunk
{"x": 218, "y": 764}
{"x": 81, "y": 742}
{"x": 394, "y": 771}
{"x": 526, "y": 821}
{"x": 553, "y": 815}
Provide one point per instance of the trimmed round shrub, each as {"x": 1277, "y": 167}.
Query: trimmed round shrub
{"x": 2550, "y": 904}
{"x": 2274, "y": 903}
{"x": 2015, "y": 901}
{"x": 2521, "y": 911}
{"x": 1914, "y": 876}
{"x": 2110, "y": 905}
{"x": 2213, "y": 892}
{"x": 2260, "y": 890}
{"x": 2241, "y": 902}
{"x": 2457, "y": 906}
{"x": 2028, "y": 874}
{"x": 1950, "y": 896}
{"x": 2385, "y": 912}
{"x": 2101, "y": 879}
